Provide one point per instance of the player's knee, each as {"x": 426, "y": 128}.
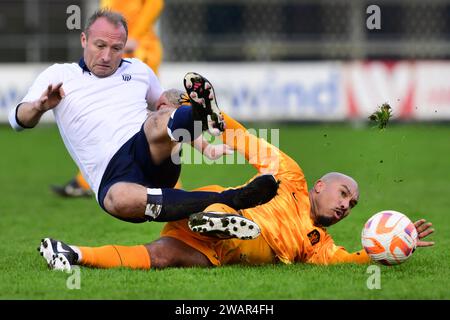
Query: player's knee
{"x": 121, "y": 202}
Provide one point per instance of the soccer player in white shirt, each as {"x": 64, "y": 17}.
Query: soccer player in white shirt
{"x": 100, "y": 107}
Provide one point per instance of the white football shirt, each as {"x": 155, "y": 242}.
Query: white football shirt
{"x": 97, "y": 115}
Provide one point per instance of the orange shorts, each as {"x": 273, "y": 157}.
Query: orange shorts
{"x": 221, "y": 251}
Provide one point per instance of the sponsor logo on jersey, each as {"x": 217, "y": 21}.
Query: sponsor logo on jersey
{"x": 314, "y": 236}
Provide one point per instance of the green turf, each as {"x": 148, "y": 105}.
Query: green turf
{"x": 406, "y": 168}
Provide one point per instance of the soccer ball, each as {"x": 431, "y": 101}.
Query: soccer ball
{"x": 389, "y": 237}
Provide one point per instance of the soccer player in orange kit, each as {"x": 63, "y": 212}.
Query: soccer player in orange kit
{"x": 144, "y": 44}
{"x": 293, "y": 224}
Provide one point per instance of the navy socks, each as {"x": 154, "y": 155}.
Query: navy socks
{"x": 172, "y": 204}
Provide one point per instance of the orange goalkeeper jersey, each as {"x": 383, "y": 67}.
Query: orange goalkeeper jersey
{"x": 285, "y": 221}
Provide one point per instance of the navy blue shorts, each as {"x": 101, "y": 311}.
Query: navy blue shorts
{"x": 133, "y": 163}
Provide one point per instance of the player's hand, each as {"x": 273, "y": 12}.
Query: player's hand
{"x": 423, "y": 229}
{"x": 215, "y": 151}
{"x": 50, "y": 98}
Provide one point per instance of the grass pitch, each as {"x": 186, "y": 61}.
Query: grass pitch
{"x": 405, "y": 168}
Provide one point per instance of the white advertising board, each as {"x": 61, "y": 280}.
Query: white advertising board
{"x": 300, "y": 91}
{"x": 16, "y": 79}
{"x": 303, "y": 91}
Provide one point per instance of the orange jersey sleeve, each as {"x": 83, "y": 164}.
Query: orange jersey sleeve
{"x": 221, "y": 251}
{"x": 342, "y": 256}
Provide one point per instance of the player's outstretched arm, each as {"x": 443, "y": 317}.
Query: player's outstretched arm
{"x": 211, "y": 151}
{"x": 29, "y": 113}
{"x": 423, "y": 230}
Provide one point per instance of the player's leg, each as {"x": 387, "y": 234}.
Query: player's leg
{"x": 251, "y": 252}
{"x": 249, "y": 249}
{"x": 122, "y": 192}
{"x": 204, "y": 103}
{"x": 150, "y": 51}
{"x": 170, "y": 252}
{"x": 157, "y": 129}
{"x": 162, "y": 253}
{"x": 166, "y": 128}
{"x": 223, "y": 222}
{"x": 136, "y": 203}
{"x": 75, "y": 188}
{"x": 81, "y": 181}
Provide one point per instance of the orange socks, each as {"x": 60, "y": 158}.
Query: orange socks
{"x": 81, "y": 181}
{"x": 112, "y": 256}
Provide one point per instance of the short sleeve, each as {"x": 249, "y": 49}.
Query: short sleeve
{"x": 51, "y": 75}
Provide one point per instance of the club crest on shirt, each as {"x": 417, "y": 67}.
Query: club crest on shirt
{"x": 314, "y": 236}
{"x": 126, "y": 77}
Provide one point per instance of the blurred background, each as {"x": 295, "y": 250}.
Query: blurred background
{"x": 293, "y": 60}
